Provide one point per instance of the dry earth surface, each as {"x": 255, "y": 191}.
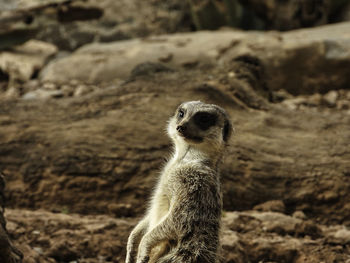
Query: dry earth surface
{"x": 99, "y": 154}
{"x": 82, "y": 140}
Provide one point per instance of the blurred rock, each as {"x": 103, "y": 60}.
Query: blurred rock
{"x": 8, "y": 252}
{"x": 281, "y": 95}
{"x": 280, "y": 56}
{"x": 12, "y": 92}
{"x": 24, "y": 5}
{"x": 49, "y": 86}
{"x": 233, "y": 248}
{"x": 211, "y": 15}
{"x": 70, "y": 24}
{"x": 299, "y": 215}
{"x": 103, "y": 238}
{"x": 43, "y": 94}
{"x": 270, "y": 222}
{"x": 309, "y": 229}
{"x": 271, "y": 206}
{"x": 275, "y": 249}
{"x": 334, "y": 99}
{"x": 67, "y": 238}
{"x": 117, "y": 60}
{"x": 23, "y": 62}
{"x": 277, "y": 222}
{"x": 315, "y": 100}
{"x": 148, "y": 69}
{"x": 121, "y": 210}
{"x": 274, "y": 237}
{"x": 293, "y": 14}
{"x": 2, "y": 200}
{"x": 340, "y": 236}
{"x": 278, "y": 154}
{"x": 67, "y": 90}
{"x": 294, "y": 103}
{"x": 32, "y": 19}
{"x": 81, "y": 90}
{"x": 343, "y": 104}
{"x": 63, "y": 251}
{"x": 331, "y": 98}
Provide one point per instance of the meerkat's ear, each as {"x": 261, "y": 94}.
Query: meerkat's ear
{"x": 227, "y": 130}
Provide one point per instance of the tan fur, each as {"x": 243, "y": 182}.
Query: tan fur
{"x": 183, "y": 221}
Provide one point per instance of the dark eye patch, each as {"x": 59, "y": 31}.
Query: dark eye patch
{"x": 204, "y": 120}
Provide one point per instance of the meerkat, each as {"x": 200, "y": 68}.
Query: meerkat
{"x": 182, "y": 223}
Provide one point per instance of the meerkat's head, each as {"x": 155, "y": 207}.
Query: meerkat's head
{"x": 200, "y": 125}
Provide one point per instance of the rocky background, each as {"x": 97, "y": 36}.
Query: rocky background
{"x": 86, "y": 88}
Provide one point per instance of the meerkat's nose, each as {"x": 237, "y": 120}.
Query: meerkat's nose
{"x": 181, "y": 128}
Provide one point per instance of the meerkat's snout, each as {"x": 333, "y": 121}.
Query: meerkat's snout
{"x": 188, "y": 132}
{"x": 181, "y": 129}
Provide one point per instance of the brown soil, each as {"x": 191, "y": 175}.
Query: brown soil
{"x": 98, "y": 155}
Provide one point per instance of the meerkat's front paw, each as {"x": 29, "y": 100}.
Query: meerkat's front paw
{"x": 142, "y": 259}
{"x": 128, "y": 259}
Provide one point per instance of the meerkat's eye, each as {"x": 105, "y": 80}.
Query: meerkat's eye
{"x": 205, "y": 120}
{"x": 181, "y": 114}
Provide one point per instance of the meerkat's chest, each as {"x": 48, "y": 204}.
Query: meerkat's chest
{"x": 159, "y": 206}
{"x": 165, "y": 191}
